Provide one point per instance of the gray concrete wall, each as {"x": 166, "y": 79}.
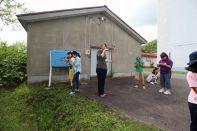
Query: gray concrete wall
{"x": 78, "y": 33}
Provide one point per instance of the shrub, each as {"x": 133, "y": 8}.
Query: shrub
{"x": 12, "y": 64}
{"x": 150, "y": 47}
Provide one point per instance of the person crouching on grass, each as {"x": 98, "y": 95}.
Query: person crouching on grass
{"x": 139, "y": 76}
{"x": 77, "y": 70}
{"x": 192, "y": 82}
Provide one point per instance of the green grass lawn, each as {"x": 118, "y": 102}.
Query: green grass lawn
{"x": 35, "y": 108}
{"x": 179, "y": 72}
{"x": 149, "y": 69}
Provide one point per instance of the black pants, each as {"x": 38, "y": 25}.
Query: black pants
{"x": 101, "y": 75}
{"x": 193, "y": 113}
{"x": 75, "y": 81}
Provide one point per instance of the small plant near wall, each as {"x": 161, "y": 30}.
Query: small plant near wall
{"x": 12, "y": 64}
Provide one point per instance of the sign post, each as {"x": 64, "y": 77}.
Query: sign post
{"x": 57, "y": 60}
{"x": 50, "y": 72}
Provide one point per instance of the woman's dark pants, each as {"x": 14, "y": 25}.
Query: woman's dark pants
{"x": 101, "y": 75}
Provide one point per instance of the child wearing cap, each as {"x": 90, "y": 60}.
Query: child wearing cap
{"x": 77, "y": 70}
{"x": 139, "y": 68}
{"x": 192, "y": 82}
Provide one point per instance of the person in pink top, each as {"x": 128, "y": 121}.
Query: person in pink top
{"x": 192, "y": 81}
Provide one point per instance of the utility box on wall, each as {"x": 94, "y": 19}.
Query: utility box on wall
{"x": 87, "y": 52}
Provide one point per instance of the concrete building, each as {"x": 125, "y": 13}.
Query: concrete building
{"x": 177, "y": 30}
{"x": 80, "y": 29}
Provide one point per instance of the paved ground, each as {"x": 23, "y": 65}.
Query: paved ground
{"x": 165, "y": 111}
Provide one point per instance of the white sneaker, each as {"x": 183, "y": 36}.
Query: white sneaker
{"x": 167, "y": 92}
{"x": 144, "y": 87}
{"x": 103, "y": 95}
{"x": 77, "y": 90}
{"x": 152, "y": 83}
{"x": 161, "y": 90}
{"x": 72, "y": 93}
{"x": 136, "y": 86}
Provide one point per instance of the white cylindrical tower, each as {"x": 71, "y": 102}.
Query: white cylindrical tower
{"x": 177, "y": 30}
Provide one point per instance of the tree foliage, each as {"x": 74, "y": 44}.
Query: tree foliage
{"x": 8, "y": 11}
{"x": 12, "y": 64}
{"x": 150, "y": 47}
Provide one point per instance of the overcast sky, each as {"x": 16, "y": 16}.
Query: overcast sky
{"x": 141, "y": 15}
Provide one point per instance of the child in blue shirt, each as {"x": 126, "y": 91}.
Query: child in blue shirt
{"x": 77, "y": 70}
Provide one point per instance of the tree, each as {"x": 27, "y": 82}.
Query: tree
{"x": 8, "y": 11}
{"x": 150, "y": 47}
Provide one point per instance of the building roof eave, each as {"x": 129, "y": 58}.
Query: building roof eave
{"x": 25, "y": 19}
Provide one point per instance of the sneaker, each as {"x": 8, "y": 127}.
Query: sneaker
{"x": 103, "y": 95}
{"x": 144, "y": 87}
{"x": 152, "y": 83}
{"x": 136, "y": 86}
{"x": 161, "y": 90}
{"x": 167, "y": 92}
{"x": 77, "y": 90}
{"x": 72, "y": 93}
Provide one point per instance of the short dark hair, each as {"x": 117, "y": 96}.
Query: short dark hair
{"x": 163, "y": 54}
{"x": 154, "y": 70}
{"x": 74, "y": 53}
{"x": 70, "y": 52}
{"x": 192, "y": 68}
{"x": 78, "y": 55}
